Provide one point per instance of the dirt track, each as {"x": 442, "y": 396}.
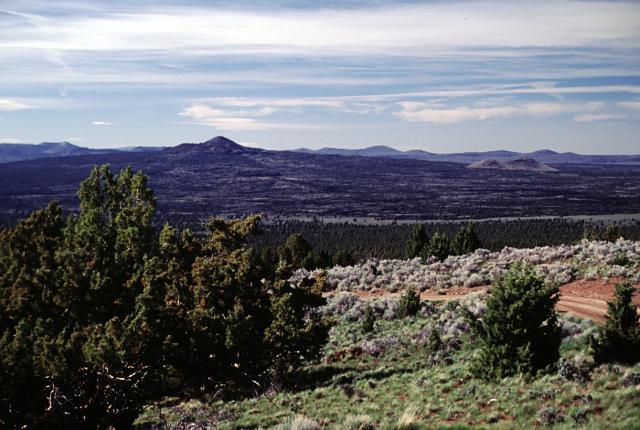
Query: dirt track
{"x": 585, "y": 299}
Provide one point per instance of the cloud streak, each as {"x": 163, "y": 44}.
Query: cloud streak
{"x": 421, "y": 112}
{"x": 338, "y": 32}
{"x": 633, "y": 104}
{"x": 7, "y": 105}
{"x": 244, "y": 119}
{"x": 593, "y": 117}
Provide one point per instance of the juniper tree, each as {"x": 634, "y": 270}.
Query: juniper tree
{"x": 619, "y": 338}
{"x": 519, "y": 332}
{"x": 368, "y": 319}
{"x": 409, "y": 304}
{"x": 102, "y": 313}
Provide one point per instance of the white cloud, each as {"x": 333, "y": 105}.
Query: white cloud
{"x": 12, "y": 105}
{"x": 234, "y": 119}
{"x": 102, "y": 123}
{"x": 635, "y": 105}
{"x": 592, "y": 117}
{"x": 389, "y": 29}
{"x": 422, "y": 112}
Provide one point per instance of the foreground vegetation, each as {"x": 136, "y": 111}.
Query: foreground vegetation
{"x": 108, "y": 321}
{"x": 101, "y": 312}
{"x": 392, "y": 378}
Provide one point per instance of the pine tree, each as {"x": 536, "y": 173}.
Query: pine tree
{"x": 465, "y": 241}
{"x": 439, "y": 246}
{"x": 417, "y": 241}
{"x": 619, "y": 338}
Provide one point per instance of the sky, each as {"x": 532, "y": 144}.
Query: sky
{"x": 441, "y": 76}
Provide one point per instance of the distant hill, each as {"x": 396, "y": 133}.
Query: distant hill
{"x": 524, "y": 164}
{"x": 219, "y": 177}
{"x": 218, "y": 144}
{"x": 10, "y": 152}
{"x": 544, "y": 156}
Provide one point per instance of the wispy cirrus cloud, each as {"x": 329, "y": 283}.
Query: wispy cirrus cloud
{"x": 237, "y": 119}
{"x": 593, "y": 117}
{"x": 631, "y": 104}
{"x": 102, "y": 123}
{"x": 422, "y": 112}
{"x": 425, "y": 26}
{"x": 295, "y": 64}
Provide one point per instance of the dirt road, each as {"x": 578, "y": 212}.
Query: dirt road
{"x": 585, "y": 299}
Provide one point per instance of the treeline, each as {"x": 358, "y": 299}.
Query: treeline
{"x": 464, "y": 241}
{"x": 102, "y": 312}
{"x": 389, "y": 241}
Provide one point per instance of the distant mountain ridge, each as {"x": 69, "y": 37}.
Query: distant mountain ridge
{"x": 222, "y": 178}
{"x": 10, "y": 152}
{"x": 546, "y": 156}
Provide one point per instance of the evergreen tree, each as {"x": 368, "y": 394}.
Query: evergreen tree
{"x": 439, "y": 246}
{"x": 465, "y": 241}
{"x": 368, "y": 320}
{"x": 343, "y": 258}
{"x": 417, "y": 241}
{"x": 297, "y": 252}
{"x": 619, "y": 338}
{"x": 409, "y": 303}
{"x": 518, "y": 332}
{"x": 102, "y": 313}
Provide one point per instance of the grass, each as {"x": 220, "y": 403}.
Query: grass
{"x": 402, "y": 388}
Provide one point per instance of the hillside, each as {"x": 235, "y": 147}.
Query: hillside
{"x": 522, "y": 164}
{"x": 220, "y": 177}
{"x": 543, "y": 155}
{"x": 393, "y": 376}
{"x": 10, "y": 152}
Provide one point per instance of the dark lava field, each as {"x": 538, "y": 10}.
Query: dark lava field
{"x": 221, "y": 178}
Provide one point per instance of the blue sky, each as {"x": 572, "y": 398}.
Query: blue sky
{"x": 441, "y": 76}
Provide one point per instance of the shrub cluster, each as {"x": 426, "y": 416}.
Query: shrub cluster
{"x": 559, "y": 265}
{"x": 101, "y": 313}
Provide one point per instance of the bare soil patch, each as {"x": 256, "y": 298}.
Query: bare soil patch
{"x": 582, "y": 298}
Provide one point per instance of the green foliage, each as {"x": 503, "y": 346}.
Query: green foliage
{"x": 619, "y": 338}
{"x": 518, "y": 332}
{"x": 409, "y": 304}
{"x": 297, "y": 252}
{"x": 389, "y": 240}
{"x": 101, "y": 313}
{"x": 439, "y": 245}
{"x": 610, "y": 233}
{"x": 343, "y": 258}
{"x": 417, "y": 241}
{"x": 434, "y": 341}
{"x": 465, "y": 240}
{"x": 368, "y": 320}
